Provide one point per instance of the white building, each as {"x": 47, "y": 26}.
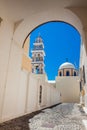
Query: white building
{"x": 67, "y": 83}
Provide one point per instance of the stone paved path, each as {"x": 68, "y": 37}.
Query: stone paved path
{"x": 67, "y": 116}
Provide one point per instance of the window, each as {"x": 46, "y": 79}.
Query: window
{"x": 84, "y": 79}
{"x": 37, "y": 70}
{"x": 80, "y": 86}
{"x": 74, "y": 73}
{"x": 40, "y": 95}
{"x": 37, "y": 58}
{"x": 38, "y": 55}
{"x": 67, "y": 73}
{"x": 41, "y": 58}
{"x": 60, "y": 73}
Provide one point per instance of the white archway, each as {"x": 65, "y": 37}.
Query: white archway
{"x": 14, "y": 81}
{"x": 30, "y": 23}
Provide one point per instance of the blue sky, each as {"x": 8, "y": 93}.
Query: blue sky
{"x": 61, "y": 41}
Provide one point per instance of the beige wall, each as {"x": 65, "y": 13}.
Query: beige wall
{"x": 26, "y": 60}
{"x": 26, "y": 46}
{"x": 26, "y": 63}
{"x": 69, "y": 88}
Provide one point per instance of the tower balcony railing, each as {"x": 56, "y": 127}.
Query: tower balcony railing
{"x": 38, "y": 48}
{"x": 35, "y": 60}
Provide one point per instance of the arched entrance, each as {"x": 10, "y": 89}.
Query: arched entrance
{"x": 26, "y": 30}
{"x": 57, "y": 35}
{"x": 13, "y": 77}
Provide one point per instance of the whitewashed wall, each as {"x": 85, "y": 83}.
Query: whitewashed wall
{"x": 50, "y": 95}
{"x": 69, "y": 88}
{"x": 19, "y": 90}
{"x": 13, "y": 79}
{"x": 6, "y": 33}
{"x": 83, "y": 62}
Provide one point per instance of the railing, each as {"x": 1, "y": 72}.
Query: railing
{"x": 37, "y": 59}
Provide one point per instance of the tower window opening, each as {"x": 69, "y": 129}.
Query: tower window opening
{"x": 38, "y": 55}
{"x": 37, "y": 70}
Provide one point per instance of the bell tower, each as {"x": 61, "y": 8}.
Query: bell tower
{"x": 38, "y": 56}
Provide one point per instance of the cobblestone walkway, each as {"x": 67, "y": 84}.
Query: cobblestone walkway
{"x": 67, "y": 116}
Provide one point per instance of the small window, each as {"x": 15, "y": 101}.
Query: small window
{"x": 38, "y": 55}
{"x": 84, "y": 78}
{"x": 80, "y": 86}
{"x": 74, "y": 73}
{"x": 60, "y": 73}
{"x": 40, "y": 95}
{"x": 67, "y": 73}
{"x": 37, "y": 70}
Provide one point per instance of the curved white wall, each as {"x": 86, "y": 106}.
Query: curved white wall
{"x": 35, "y": 20}
{"x": 13, "y": 80}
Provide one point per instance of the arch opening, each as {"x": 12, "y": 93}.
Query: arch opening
{"x": 66, "y": 42}
{"x": 67, "y": 73}
{"x": 60, "y": 73}
{"x": 46, "y": 23}
{"x": 74, "y": 73}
